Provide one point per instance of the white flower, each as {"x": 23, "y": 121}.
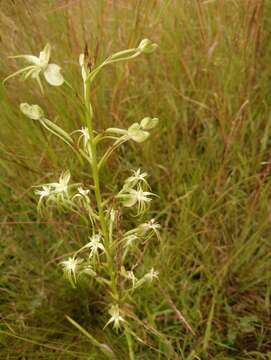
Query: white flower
{"x": 44, "y": 192}
{"x": 57, "y": 192}
{"x": 137, "y": 177}
{"x": 151, "y": 225}
{"x": 84, "y": 136}
{"x": 136, "y": 197}
{"x": 129, "y": 275}
{"x": 82, "y": 193}
{"x": 116, "y": 318}
{"x": 40, "y": 65}
{"x": 62, "y": 185}
{"x": 152, "y": 274}
{"x": 70, "y": 268}
{"x": 95, "y": 244}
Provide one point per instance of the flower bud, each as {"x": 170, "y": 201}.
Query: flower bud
{"x": 83, "y": 62}
{"x": 149, "y": 123}
{"x": 33, "y": 112}
{"x": 147, "y": 46}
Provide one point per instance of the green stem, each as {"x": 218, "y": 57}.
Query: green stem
{"x": 130, "y": 344}
{"x": 98, "y": 196}
{"x": 94, "y": 166}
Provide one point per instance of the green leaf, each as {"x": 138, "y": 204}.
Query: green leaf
{"x": 103, "y": 347}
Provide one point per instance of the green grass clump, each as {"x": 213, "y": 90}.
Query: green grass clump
{"x": 209, "y": 85}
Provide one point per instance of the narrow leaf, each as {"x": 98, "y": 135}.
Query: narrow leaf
{"x": 103, "y": 347}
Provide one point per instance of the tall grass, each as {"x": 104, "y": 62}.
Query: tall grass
{"x": 209, "y": 85}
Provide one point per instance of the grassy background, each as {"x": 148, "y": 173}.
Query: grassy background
{"x": 209, "y": 83}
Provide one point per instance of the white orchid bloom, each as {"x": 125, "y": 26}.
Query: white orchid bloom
{"x": 82, "y": 193}
{"x": 43, "y": 193}
{"x": 116, "y": 318}
{"x": 40, "y": 65}
{"x": 137, "y": 177}
{"x": 70, "y": 268}
{"x": 129, "y": 275}
{"x": 56, "y": 192}
{"x": 135, "y": 197}
{"x": 83, "y": 137}
{"x": 152, "y": 225}
{"x": 145, "y": 230}
{"x": 95, "y": 245}
{"x": 61, "y": 187}
{"x": 149, "y": 277}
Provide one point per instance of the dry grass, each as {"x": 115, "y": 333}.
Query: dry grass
{"x": 209, "y": 85}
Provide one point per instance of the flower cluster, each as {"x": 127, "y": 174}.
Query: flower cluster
{"x": 62, "y": 194}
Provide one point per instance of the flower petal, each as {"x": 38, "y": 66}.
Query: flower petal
{"x": 45, "y": 56}
{"x": 30, "y": 58}
{"x": 129, "y": 200}
{"x": 53, "y": 75}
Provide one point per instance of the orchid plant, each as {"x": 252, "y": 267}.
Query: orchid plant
{"x": 104, "y": 258}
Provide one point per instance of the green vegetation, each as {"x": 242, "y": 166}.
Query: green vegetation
{"x": 209, "y": 163}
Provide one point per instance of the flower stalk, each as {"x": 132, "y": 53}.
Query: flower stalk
{"x": 97, "y": 187}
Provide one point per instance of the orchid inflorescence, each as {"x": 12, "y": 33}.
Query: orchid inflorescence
{"x": 106, "y": 239}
